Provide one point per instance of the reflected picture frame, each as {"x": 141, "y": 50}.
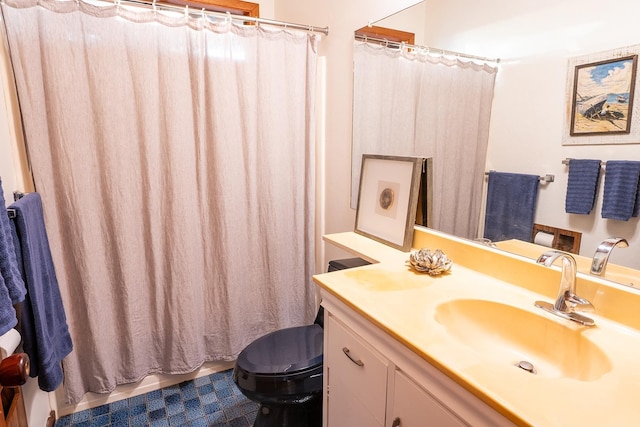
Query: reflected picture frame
{"x": 388, "y": 199}
{"x": 602, "y": 98}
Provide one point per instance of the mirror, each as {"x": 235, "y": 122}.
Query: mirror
{"x": 414, "y": 20}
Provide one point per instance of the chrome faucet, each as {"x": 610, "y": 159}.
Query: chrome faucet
{"x": 603, "y": 251}
{"x": 567, "y": 301}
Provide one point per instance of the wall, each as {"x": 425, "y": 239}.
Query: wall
{"x": 534, "y": 41}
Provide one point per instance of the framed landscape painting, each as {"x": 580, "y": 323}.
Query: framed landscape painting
{"x": 602, "y": 97}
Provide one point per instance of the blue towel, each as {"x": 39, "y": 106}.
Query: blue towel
{"x": 12, "y": 288}
{"x": 8, "y": 263}
{"x": 45, "y": 334}
{"x": 621, "y": 182}
{"x": 582, "y": 186}
{"x": 511, "y": 206}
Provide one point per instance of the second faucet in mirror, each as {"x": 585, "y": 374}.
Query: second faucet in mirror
{"x": 603, "y": 251}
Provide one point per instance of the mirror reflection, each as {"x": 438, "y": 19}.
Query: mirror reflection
{"x": 398, "y": 118}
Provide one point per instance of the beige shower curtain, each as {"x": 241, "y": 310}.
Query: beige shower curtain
{"x": 418, "y": 104}
{"x": 175, "y": 161}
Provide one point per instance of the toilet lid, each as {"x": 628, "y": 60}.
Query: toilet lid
{"x": 284, "y": 351}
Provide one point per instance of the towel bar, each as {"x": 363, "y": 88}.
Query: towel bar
{"x": 545, "y": 178}
{"x": 566, "y": 162}
{"x": 17, "y": 195}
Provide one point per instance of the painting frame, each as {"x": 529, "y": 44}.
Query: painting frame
{"x": 602, "y": 98}
{"x": 388, "y": 199}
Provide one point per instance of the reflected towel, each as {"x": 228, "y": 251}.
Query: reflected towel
{"x": 511, "y": 206}
{"x": 621, "y": 182}
{"x": 44, "y": 324}
{"x": 582, "y": 186}
{"x": 9, "y": 270}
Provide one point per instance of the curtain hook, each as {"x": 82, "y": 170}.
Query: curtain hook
{"x": 153, "y": 5}
{"x": 186, "y": 12}
{"x": 203, "y": 15}
{"x": 228, "y": 18}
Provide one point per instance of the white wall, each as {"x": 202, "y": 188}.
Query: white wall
{"x": 534, "y": 41}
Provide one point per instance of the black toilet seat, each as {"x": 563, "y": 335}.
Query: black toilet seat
{"x": 282, "y": 367}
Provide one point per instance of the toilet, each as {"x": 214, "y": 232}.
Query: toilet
{"x": 282, "y": 371}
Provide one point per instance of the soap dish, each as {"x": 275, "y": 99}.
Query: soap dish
{"x": 433, "y": 263}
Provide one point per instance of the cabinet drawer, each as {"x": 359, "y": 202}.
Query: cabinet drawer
{"x": 356, "y": 372}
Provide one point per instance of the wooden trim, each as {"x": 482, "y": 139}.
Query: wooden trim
{"x": 236, "y": 7}
{"x": 387, "y": 33}
{"x": 51, "y": 421}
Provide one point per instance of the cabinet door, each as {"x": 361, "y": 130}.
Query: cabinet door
{"x": 357, "y": 379}
{"x": 415, "y": 407}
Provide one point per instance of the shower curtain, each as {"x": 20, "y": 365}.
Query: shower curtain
{"x": 174, "y": 156}
{"x": 419, "y": 104}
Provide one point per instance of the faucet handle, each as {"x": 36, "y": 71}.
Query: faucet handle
{"x": 574, "y": 302}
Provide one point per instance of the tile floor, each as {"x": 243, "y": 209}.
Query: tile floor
{"x": 213, "y": 400}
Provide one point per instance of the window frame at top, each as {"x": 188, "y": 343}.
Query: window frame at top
{"x": 235, "y": 7}
{"x": 390, "y": 34}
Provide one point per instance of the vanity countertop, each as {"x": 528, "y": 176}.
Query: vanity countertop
{"x": 409, "y": 307}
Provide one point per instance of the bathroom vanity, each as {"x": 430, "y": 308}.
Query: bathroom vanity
{"x": 405, "y": 349}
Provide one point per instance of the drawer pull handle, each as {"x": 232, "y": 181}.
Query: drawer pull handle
{"x": 345, "y": 350}
{"x": 396, "y": 422}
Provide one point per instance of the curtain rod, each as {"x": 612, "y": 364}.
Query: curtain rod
{"x": 395, "y": 44}
{"x": 225, "y": 15}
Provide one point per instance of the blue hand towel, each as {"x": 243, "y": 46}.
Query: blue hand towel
{"x": 45, "y": 334}
{"x": 8, "y": 263}
{"x": 582, "y": 186}
{"x": 621, "y": 181}
{"x": 511, "y": 206}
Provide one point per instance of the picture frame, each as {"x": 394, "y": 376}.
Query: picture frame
{"x": 388, "y": 199}
{"x": 602, "y": 97}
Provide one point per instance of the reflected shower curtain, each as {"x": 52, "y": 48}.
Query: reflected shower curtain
{"x": 414, "y": 104}
{"x": 175, "y": 160}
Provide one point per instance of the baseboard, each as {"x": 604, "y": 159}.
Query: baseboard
{"x": 149, "y": 383}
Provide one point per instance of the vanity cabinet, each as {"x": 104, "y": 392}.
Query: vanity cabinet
{"x": 358, "y": 379}
{"x": 412, "y": 406}
{"x": 372, "y": 380}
